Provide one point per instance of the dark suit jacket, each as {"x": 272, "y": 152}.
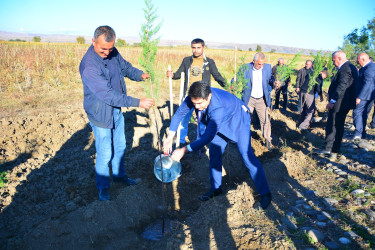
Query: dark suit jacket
{"x": 226, "y": 114}
{"x": 267, "y": 82}
{"x": 366, "y": 87}
{"x": 343, "y": 87}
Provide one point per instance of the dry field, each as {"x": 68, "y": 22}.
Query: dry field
{"x": 47, "y": 153}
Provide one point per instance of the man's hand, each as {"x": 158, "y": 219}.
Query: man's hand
{"x": 146, "y": 103}
{"x": 277, "y": 84}
{"x": 297, "y": 90}
{"x": 169, "y": 73}
{"x": 179, "y": 153}
{"x": 357, "y": 101}
{"x": 145, "y": 76}
{"x": 330, "y": 106}
{"x": 167, "y": 145}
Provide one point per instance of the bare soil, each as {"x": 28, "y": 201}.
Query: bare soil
{"x": 49, "y": 200}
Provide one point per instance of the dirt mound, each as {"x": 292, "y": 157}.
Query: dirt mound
{"x": 50, "y": 200}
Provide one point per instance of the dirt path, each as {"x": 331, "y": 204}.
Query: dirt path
{"x": 50, "y": 200}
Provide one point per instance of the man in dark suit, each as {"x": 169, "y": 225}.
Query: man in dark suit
{"x": 365, "y": 95}
{"x": 341, "y": 96}
{"x": 227, "y": 119}
{"x": 257, "y": 93}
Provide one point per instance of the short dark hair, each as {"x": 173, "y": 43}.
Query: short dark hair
{"x": 199, "y": 89}
{"x": 198, "y": 40}
{"x": 109, "y": 33}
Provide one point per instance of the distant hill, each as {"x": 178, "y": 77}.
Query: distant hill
{"x": 60, "y": 38}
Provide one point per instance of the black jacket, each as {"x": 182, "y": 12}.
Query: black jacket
{"x": 317, "y": 88}
{"x": 300, "y": 77}
{"x": 209, "y": 68}
{"x": 343, "y": 87}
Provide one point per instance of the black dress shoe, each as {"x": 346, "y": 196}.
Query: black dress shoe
{"x": 322, "y": 152}
{"x": 210, "y": 194}
{"x": 265, "y": 201}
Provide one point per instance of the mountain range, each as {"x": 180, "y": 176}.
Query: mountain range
{"x": 62, "y": 38}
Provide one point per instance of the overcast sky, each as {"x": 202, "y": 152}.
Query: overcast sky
{"x": 304, "y": 24}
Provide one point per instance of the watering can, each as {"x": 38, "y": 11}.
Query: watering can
{"x": 166, "y": 168}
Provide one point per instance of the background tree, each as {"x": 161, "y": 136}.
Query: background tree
{"x": 80, "y": 40}
{"x": 259, "y": 48}
{"x": 272, "y": 51}
{"x": 250, "y": 49}
{"x": 121, "y": 43}
{"x": 36, "y": 39}
{"x": 360, "y": 40}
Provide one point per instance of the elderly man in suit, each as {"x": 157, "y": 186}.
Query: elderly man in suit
{"x": 257, "y": 93}
{"x": 365, "y": 95}
{"x": 227, "y": 119}
{"x": 341, "y": 95}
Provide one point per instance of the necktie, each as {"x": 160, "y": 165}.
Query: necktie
{"x": 199, "y": 116}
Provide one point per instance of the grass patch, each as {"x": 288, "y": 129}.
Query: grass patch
{"x": 345, "y": 188}
{"x": 3, "y": 178}
{"x": 308, "y": 239}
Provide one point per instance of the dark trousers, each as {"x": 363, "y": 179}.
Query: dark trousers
{"x": 217, "y": 147}
{"x": 335, "y": 130}
{"x": 360, "y": 114}
{"x": 299, "y": 104}
{"x": 284, "y": 91}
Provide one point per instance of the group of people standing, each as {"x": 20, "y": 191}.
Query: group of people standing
{"x": 221, "y": 116}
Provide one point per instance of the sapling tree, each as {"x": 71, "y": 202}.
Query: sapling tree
{"x": 284, "y": 72}
{"x": 149, "y": 44}
{"x": 319, "y": 65}
{"x": 330, "y": 67}
{"x": 239, "y": 83}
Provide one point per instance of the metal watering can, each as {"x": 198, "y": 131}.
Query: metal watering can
{"x": 170, "y": 169}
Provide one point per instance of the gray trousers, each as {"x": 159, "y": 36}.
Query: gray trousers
{"x": 308, "y": 109}
{"x": 262, "y": 111}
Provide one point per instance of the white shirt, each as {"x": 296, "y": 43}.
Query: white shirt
{"x": 257, "y": 87}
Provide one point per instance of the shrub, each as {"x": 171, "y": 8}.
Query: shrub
{"x": 81, "y": 40}
{"x": 121, "y": 43}
{"x": 36, "y": 39}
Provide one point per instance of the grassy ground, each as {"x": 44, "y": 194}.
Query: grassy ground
{"x": 40, "y": 75}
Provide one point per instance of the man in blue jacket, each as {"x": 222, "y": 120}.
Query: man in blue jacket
{"x": 257, "y": 93}
{"x": 102, "y": 71}
{"x": 365, "y": 95}
{"x": 227, "y": 119}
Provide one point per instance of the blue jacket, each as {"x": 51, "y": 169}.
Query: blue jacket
{"x": 99, "y": 96}
{"x": 267, "y": 82}
{"x": 226, "y": 114}
{"x": 366, "y": 84}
